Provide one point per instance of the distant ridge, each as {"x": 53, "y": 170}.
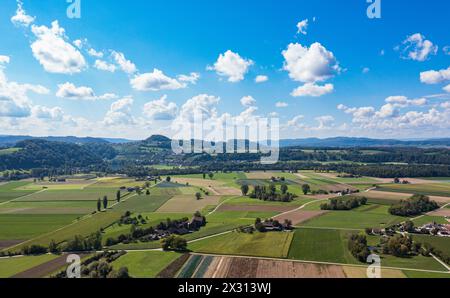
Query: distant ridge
{"x": 6, "y": 140}
{"x": 165, "y": 142}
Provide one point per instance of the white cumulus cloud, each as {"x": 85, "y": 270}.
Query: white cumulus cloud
{"x": 232, "y": 65}
{"x": 103, "y": 65}
{"x": 310, "y": 65}
{"x": 313, "y": 90}
{"x": 53, "y": 51}
{"x": 21, "y": 18}
{"x": 160, "y": 109}
{"x": 248, "y": 101}
{"x": 70, "y": 91}
{"x": 302, "y": 27}
{"x": 435, "y": 77}
{"x": 155, "y": 81}
{"x": 417, "y": 47}
{"x": 125, "y": 65}
{"x": 120, "y": 113}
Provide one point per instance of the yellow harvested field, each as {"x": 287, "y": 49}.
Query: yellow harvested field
{"x": 187, "y": 204}
{"x": 263, "y": 175}
{"x": 361, "y": 272}
{"x": 199, "y": 182}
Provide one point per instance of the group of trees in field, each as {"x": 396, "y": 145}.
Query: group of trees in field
{"x": 99, "y": 266}
{"x": 344, "y": 203}
{"x": 103, "y": 202}
{"x": 400, "y": 246}
{"x": 415, "y": 205}
{"x": 79, "y": 243}
{"x": 357, "y": 245}
{"x": 174, "y": 243}
{"x": 163, "y": 230}
{"x": 269, "y": 193}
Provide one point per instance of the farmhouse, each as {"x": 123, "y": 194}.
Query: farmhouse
{"x": 435, "y": 229}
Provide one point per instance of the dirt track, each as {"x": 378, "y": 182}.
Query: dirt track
{"x": 8, "y": 243}
{"x": 43, "y": 269}
{"x": 299, "y": 216}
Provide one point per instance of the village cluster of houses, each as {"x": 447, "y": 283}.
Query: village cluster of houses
{"x": 181, "y": 227}
{"x": 435, "y": 229}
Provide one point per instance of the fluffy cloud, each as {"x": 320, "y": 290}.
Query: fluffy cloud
{"x": 94, "y": 53}
{"x": 248, "y": 101}
{"x": 192, "y": 78}
{"x": 365, "y": 70}
{"x": 232, "y": 65}
{"x": 14, "y": 101}
{"x": 417, "y": 47}
{"x": 103, "y": 65}
{"x": 302, "y": 27}
{"x": 435, "y": 77}
{"x": 281, "y": 104}
{"x": 313, "y": 90}
{"x": 21, "y": 18}
{"x": 55, "y": 113}
{"x": 403, "y": 101}
{"x": 261, "y": 79}
{"x": 125, "y": 65}
{"x": 160, "y": 109}
{"x": 120, "y": 113}
{"x": 391, "y": 119}
{"x": 70, "y": 91}
{"x": 155, "y": 81}
{"x": 53, "y": 51}
{"x": 310, "y": 65}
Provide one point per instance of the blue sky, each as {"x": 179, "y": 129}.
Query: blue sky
{"x": 343, "y": 75}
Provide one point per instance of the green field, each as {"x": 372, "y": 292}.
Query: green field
{"x": 24, "y": 227}
{"x": 143, "y": 203}
{"x": 9, "y": 191}
{"x": 274, "y": 245}
{"x": 320, "y": 245}
{"x": 9, "y": 151}
{"x": 360, "y": 218}
{"x": 432, "y": 189}
{"x": 332, "y": 246}
{"x": 420, "y": 221}
{"x": 440, "y": 243}
{"x": 145, "y": 264}
{"x": 88, "y": 194}
{"x": 83, "y": 227}
{"x": 42, "y": 207}
{"x": 12, "y": 266}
